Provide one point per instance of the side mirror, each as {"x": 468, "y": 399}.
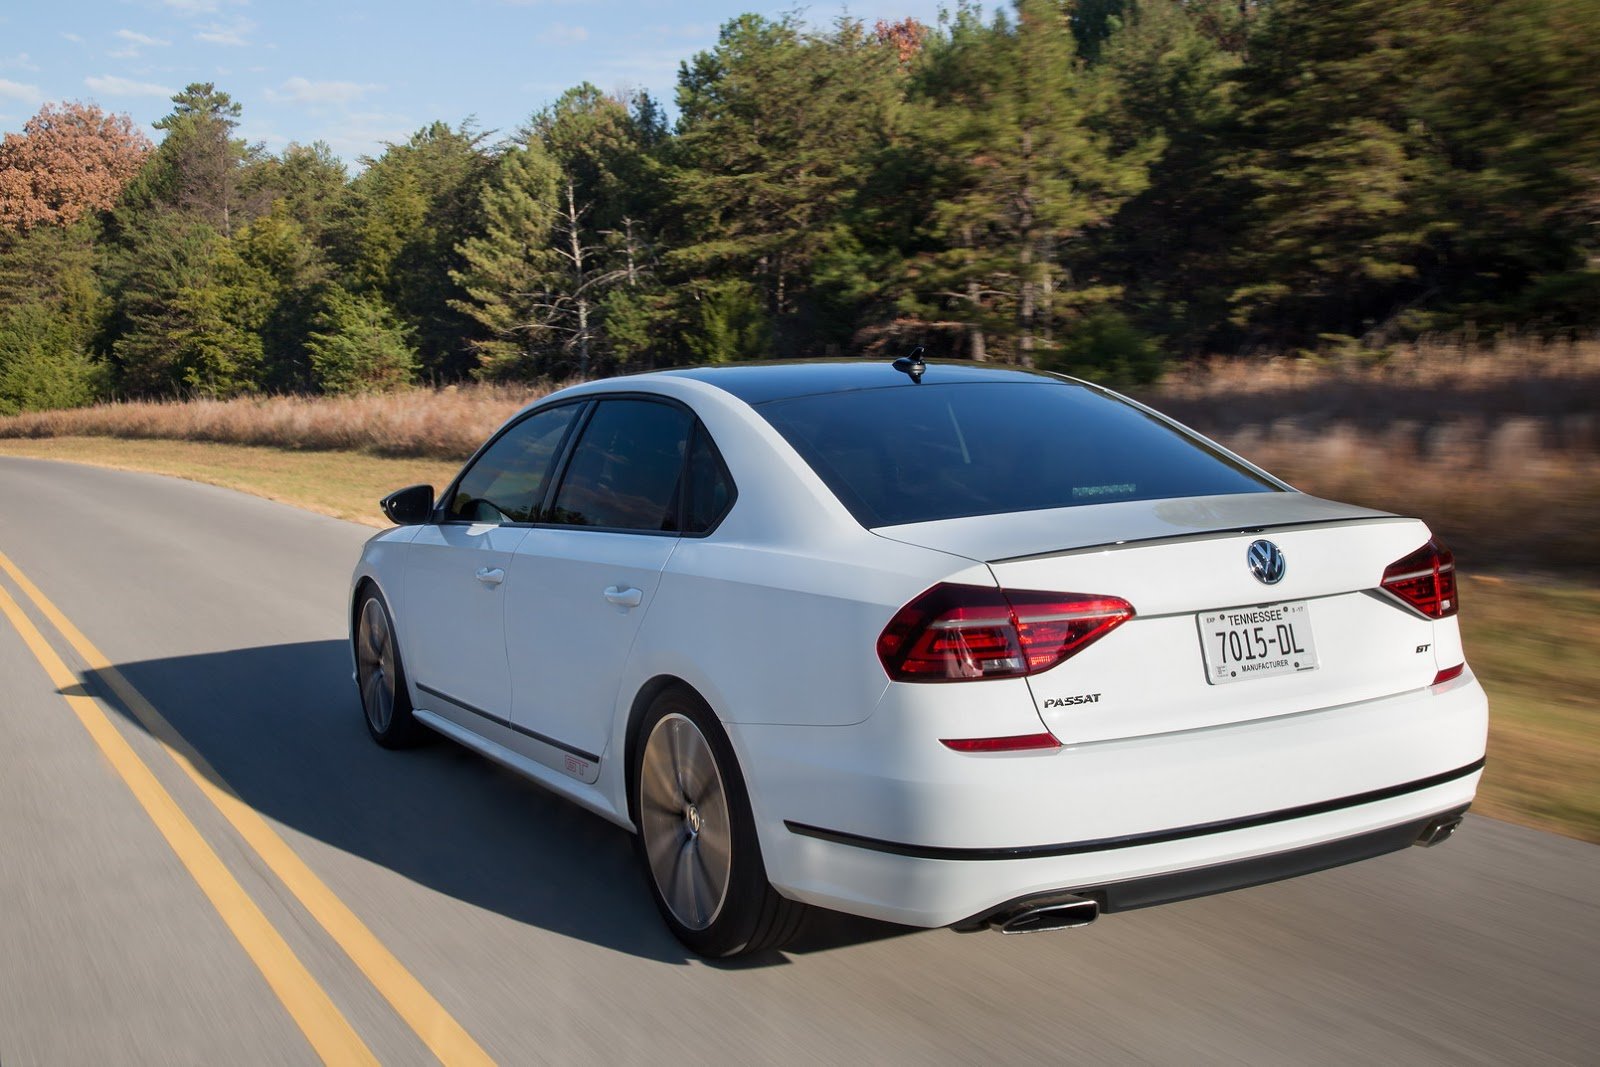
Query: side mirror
{"x": 410, "y": 506}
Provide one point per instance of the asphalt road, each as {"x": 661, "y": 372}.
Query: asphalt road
{"x": 525, "y": 921}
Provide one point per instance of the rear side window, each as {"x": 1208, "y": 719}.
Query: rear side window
{"x": 918, "y": 453}
{"x": 506, "y": 483}
{"x": 710, "y": 489}
{"x": 626, "y": 468}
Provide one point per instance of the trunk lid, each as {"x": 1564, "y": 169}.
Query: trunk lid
{"x": 1183, "y": 566}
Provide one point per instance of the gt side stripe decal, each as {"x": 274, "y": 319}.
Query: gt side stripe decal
{"x": 437, "y": 1028}
{"x": 308, "y": 1004}
{"x": 1105, "y": 844}
{"x": 513, "y": 727}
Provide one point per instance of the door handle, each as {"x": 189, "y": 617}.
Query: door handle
{"x": 491, "y": 575}
{"x": 624, "y": 598}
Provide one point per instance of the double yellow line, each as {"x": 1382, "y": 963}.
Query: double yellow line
{"x": 324, "y": 1026}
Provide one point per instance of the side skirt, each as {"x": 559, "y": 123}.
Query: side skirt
{"x": 536, "y": 770}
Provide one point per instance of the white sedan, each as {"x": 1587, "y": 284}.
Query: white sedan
{"x": 937, "y": 644}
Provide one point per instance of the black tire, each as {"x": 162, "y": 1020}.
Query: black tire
{"x": 680, "y": 746}
{"x": 381, "y": 677}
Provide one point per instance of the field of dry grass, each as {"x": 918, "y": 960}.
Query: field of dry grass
{"x": 1497, "y": 448}
{"x": 439, "y": 423}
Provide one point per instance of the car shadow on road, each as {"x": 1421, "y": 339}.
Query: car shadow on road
{"x": 281, "y": 726}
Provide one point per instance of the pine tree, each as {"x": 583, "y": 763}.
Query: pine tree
{"x": 188, "y": 313}
{"x": 600, "y": 234}
{"x": 195, "y": 170}
{"x": 291, "y": 274}
{"x": 45, "y": 361}
{"x": 1021, "y": 175}
{"x": 401, "y": 228}
{"x": 778, "y": 131}
{"x": 1329, "y": 157}
{"x": 359, "y": 346}
{"x": 1164, "y": 74}
{"x": 507, "y": 266}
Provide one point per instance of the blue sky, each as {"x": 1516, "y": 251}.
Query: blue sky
{"x": 357, "y": 73}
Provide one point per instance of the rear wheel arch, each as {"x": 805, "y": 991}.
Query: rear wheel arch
{"x": 630, "y": 733}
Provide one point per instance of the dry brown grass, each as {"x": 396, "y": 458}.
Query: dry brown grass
{"x": 1496, "y": 448}
{"x": 439, "y": 423}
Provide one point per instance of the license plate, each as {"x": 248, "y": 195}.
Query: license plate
{"x": 1259, "y": 642}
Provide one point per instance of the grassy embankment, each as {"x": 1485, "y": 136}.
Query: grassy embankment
{"x": 1496, "y": 449}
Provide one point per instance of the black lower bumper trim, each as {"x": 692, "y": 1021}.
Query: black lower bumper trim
{"x": 1237, "y": 874}
{"x": 1105, "y": 844}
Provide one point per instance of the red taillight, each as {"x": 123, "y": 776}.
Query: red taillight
{"x": 1426, "y": 580}
{"x": 954, "y": 633}
{"x": 1449, "y": 674}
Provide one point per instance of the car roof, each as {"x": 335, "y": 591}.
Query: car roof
{"x": 759, "y": 383}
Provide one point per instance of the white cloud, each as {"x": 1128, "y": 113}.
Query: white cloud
{"x": 192, "y": 7}
{"x": 233, "y": 34}
{"x": 561, "y": 33}
{"x": 20, "y": 61}
{"x": 689, "y": 31}
{"x": 365, "y": 134}
{"x": 645, "y": 66}
{"x": 10, "y": 90}
{"x": 74, "y": 38}
{"x": 305, "y": 91}
{"x": 111, "y": 85}
{"x": 142, "y": 39}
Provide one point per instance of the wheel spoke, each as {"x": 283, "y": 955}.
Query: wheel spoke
{"x": 685, "y": 890}
{"x": 658, "y": 784}
{"x": 378, "y": 699}
{"x": 662, "y": 841}
{"x": 708, "y": 885}
{"x": 680, "y": 757}
{"x": 714, "y": 848}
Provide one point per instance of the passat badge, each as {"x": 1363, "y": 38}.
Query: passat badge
{"x": 1266, "y": 562}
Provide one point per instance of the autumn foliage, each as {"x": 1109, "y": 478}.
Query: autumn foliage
{"x": 70, "y": 159}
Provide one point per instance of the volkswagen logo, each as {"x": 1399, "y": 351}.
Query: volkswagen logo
{"x": 1266, "y": 562}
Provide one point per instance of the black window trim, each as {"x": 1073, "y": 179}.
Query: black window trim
{"x": 563, "y": 459}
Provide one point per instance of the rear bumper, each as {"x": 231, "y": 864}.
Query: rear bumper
{"x": 1241, "y": 874}
{"x": 876, "y": 820}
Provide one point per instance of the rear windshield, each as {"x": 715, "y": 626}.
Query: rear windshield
{"x": 917, "y": 453}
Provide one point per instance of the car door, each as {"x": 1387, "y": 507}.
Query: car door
{"x": 458, "y": 569}
{"x": 585, "y": 578}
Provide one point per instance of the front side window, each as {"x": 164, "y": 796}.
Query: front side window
{"x": 626, "y": 469}
{"x": 506, "y": 483}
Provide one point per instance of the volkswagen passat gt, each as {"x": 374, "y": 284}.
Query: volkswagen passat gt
{"x": 942, "y": 645}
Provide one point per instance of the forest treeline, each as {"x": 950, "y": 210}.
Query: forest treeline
{"x": 1099, "y": 186}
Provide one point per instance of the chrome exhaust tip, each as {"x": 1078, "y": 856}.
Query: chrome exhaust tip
{"x": 1059, "y": 914}
{"x": 1438, "y": 830}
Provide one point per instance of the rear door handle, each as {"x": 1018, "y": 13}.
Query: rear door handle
{"x": 625, "y": 598}
{"x": 491, "y": 575}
